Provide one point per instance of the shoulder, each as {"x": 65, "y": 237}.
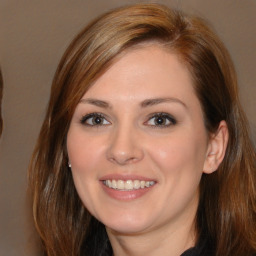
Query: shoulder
{"x": 194, "y": 252}
{"x": 203, "y": 248}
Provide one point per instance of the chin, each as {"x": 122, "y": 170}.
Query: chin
{"x": 127, "y": 224}
{"x": 126, "y": 229}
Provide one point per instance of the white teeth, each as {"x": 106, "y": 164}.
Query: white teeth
{"x": 120, "y": 184}
{"x": 114, "y": 184}
{"x": 136, "y": 184}
{"x": 109, "y": 183}
{"x": 128, "y": 184}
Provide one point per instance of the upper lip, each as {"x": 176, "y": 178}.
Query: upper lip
{"x": 125, "y": 177}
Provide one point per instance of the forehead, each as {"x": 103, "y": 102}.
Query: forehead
{"x": 144, "y": 69}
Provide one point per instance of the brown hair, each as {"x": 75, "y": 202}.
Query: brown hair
{"x": 227, "y": 211}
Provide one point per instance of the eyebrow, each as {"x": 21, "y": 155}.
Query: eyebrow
{"x": 144, "y": 103}
{"x": 95, "y": 102}
{"x": 152, "y": 102}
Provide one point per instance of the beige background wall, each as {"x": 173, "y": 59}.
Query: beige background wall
{"x": 33, "y": 36}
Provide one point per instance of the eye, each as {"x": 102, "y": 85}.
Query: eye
{"x": 94, "y": 119}
{"x": 161, "y": 120}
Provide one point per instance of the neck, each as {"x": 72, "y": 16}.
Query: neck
{"x": 164, "y": 241}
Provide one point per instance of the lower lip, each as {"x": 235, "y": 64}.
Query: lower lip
{"x": 126, "y": 195}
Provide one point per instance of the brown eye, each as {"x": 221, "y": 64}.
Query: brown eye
{"x": 97, "y": 120}
{"x": 161, "y": 120}
{"x": 94, "y": 119}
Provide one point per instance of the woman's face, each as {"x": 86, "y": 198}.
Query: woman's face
{"x": 137, "y": 143}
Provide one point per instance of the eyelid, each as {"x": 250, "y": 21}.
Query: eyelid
{"x": 91, "y": 115}
{"x": 170, "y": 118}
{"x": 172, "y": 121}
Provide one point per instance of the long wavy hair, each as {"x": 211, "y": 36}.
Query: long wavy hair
{"x": 226, "y": 215}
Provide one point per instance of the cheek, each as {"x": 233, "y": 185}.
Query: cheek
{"x": 178, "y": 168}
{"x": 84, "y": 156}
{"x": 179, "y": 151}
{"x": 179, "y": 159}
{"x": 82, "y": 152}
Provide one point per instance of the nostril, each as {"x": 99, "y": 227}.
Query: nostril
{"x": 122, "y": 160}
{"x": 123, "y": 147}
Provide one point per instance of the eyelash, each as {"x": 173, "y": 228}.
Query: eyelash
{"x": 164, "y": 116}
{"x": 87, "y": 117}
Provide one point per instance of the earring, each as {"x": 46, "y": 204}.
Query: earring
{"x": 69, "y": 165}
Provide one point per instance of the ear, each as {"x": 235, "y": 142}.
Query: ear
{"x": 216, "y": 148}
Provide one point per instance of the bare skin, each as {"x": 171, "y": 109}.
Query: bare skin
{"x": 142, "y": 121}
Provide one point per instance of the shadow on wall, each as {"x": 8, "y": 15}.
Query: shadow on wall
{"x": 1, "y": 95}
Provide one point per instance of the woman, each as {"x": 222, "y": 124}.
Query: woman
{"x": 145, "y": 149}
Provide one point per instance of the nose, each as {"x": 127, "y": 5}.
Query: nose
{"x": 125, "y": 146}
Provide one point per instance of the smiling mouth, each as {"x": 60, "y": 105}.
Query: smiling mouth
{"x": 128, "y": 185}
